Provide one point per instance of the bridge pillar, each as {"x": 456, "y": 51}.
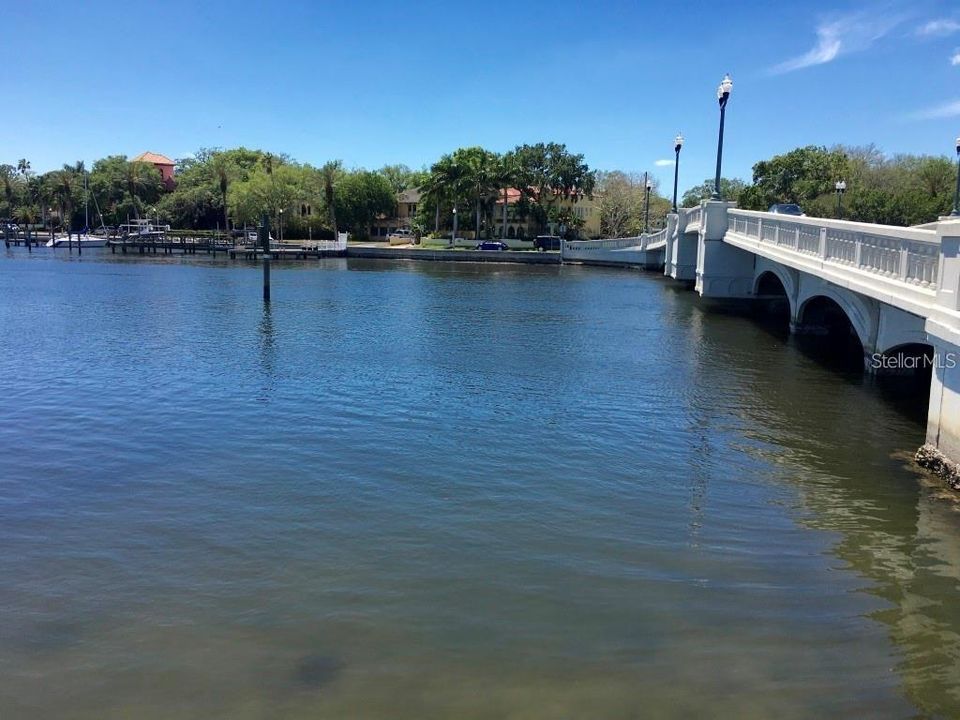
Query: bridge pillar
{"x": 942, "y": 451}
{"x": 948, "y": 270}
{"x": 680, "y": 259}
{"x": 669, "y": 247}
{"x": 722, "y": 271}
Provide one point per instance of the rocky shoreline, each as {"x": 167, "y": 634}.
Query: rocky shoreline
{"x": 932, "y": 459}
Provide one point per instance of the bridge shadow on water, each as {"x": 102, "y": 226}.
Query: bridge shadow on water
{"x": 901, "y": 376}
{"x": 845, "y": 439}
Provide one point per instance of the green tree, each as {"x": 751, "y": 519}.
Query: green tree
{"x": 402, "y": 177}
{"x": 444, "y": 187}
{"x": 478, "y": 177}
{"x": 330, "y": 174}
{"x": 143, "y": 183}
{"x": 898, "y": 190}
{"x": 270, "y": 189}
{"x": 548, "y": 172}
{"x": 798, "y": 176}
{"x": 730, "y": 189}
{"x": 122, "y": 188}
{"x": 362, "y": 196}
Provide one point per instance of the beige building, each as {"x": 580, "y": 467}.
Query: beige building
{"x": 403, "y": 214}
{"x": 581, "y": 206}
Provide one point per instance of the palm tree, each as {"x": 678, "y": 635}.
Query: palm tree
{"x": 137, "y": 179}
{"x": 445, "y": 183}
{"x": 329, "y": 172}
{"x": 507, "y": 176}
{"x": 27, "y": 214}
{"x": 63, "y": 189}
{"x": 8, "y": 194}
{"x": 223, "y": 171}
{"x": 480, "y": 175}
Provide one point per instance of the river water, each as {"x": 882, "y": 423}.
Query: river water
{"x": 418, "y": 490}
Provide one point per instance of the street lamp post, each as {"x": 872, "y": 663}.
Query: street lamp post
{"x": 677, "y": 144}
{"x": 646, "y": 205}
{"x": 956, "y": 193}
{"x": 841, "y": 188}
{"x": 723, "y": 94}
{"x": 281, "y": 226}
{"x": 453, "y": 237}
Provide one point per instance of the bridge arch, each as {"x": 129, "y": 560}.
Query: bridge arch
{"x": 909, "y": 358}
{"x": 775, "y": 293}
{"x": 838, "y": 341}
{"x": 855, "y": 310}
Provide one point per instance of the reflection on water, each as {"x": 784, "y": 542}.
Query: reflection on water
{"x": 267, "y": 351}
{"x": 430, "y": 491}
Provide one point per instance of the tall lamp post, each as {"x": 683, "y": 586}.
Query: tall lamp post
{"x": 281, "y": 226}
{"x": 956, "y": 193}
{"x": 453, "y": 236}
{"x": 646, "y": 204}
{"x": 723, "y": 94}
{"x": 841, "y": 187}
{"x": 677, "y": 144}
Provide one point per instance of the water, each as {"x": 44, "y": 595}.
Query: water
{"x": 450, "y": 491}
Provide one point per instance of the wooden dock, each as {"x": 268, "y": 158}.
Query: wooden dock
{"x": 186, "y": 245}
{"x": 169, "y": 246}
{"x": 288, "y": 252}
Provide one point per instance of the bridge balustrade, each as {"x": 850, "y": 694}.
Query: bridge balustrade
{"x": 909, "y": 255}
{"x": 694, "y": 217}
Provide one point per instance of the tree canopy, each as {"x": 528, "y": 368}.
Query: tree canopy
{"x": 226, "y": 188}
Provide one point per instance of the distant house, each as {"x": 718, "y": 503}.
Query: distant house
{"x": 520, "y": 227}
{"x": 161, "y": 163}
{"x": 403, "y": 214}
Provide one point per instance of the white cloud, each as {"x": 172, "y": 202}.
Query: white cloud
{"x": 947, "y": 110}
{"x": 839, "y": 36}
{"x": 663, "y": 163}
{"x": 955, "y": 58}
{"x": 939, "y": 28}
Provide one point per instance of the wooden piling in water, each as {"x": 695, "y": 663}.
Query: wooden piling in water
{"x": 265, "y": 243}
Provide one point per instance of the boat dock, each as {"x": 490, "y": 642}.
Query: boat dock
{"x": 167, "y": 245}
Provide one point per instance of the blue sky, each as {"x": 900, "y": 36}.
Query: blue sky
{"x": 386, "y": 82}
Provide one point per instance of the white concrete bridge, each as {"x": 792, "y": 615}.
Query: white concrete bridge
{"x": 899, "y": 288}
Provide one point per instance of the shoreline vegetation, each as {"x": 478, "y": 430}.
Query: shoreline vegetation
{"x": 216, "y": 190}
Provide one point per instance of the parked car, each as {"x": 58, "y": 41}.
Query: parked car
{"x": 546, "y": 242}
{"x": 492, "y": 245}
{"x": 786, "y": 209}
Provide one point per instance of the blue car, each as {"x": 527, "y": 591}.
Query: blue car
{"x": 492, "y": 245}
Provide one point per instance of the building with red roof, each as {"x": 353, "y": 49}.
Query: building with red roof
{"x": 162, "y": 163}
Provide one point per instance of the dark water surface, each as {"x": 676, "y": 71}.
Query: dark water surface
{"x": 449, "y": 491}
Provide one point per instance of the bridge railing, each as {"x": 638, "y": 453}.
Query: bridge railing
{"x": 910, "y": 255}
{"x": 607, "y": 244}
{"x": 694, "y": 215}
{"x": 628, "y": 250}
{"x": 656, "y": 238}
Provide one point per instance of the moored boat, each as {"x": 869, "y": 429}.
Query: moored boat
{"x": 82, "y": 239}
